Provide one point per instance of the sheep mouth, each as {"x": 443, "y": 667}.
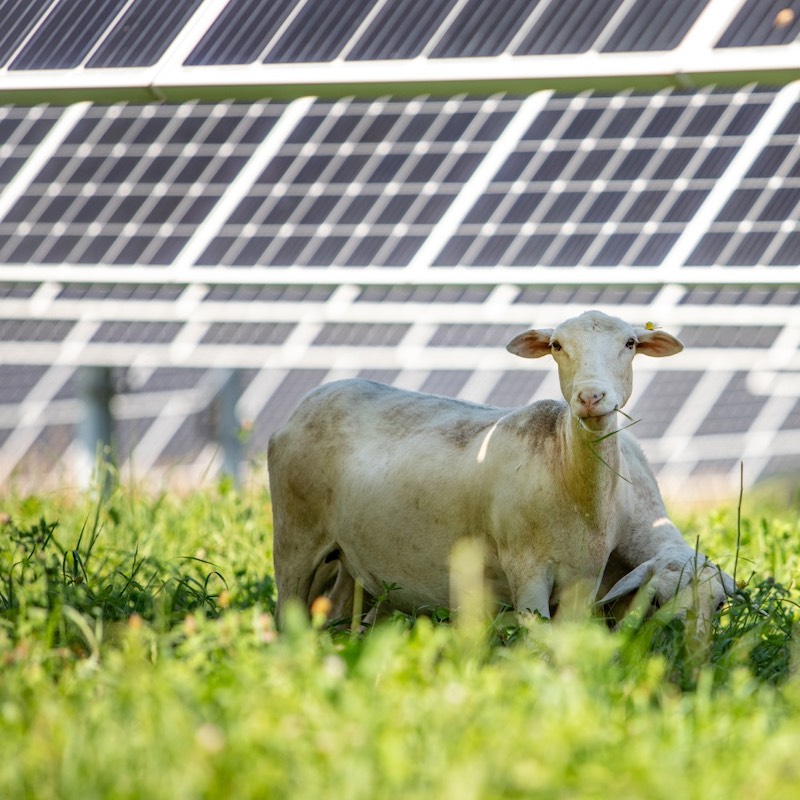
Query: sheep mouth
{"x": 595, "y": 420}
{"x": 596, "y": 414}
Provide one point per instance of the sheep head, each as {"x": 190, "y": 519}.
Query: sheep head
{"x": 594, "y": 353}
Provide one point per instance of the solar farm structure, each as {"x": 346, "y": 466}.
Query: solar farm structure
{"x": 209, "y": 207}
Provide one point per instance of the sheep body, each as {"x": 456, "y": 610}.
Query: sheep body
{"x": 377, "y": 484}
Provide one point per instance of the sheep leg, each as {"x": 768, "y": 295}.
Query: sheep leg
{"x": 304, "y": 569}
{"x": 531, "y": 593}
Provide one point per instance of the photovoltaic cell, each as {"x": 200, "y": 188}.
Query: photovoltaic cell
{"x": 401, "y": 29}
{"x": 483, "y": 28}
{"x": 424, "y": 294}
{"x": 477, "y": 335}
{"x": 171, "y": 380}
{"x": 18, "y": 19}
{"x": 361, "y": 334}
{"x": 252, "y": 333}
{"x": 137, "y": 332}
{"x": 17, "y": 290}
{"x": 735, "y": 409}
{"x": 268, "y": 294}
{"x": 143, "y": 34}
{"x": 735, "y": 295}
{"x": 387, "y": 376}
{"x": 570, "y": 26}
{"x": 758, "y": 24}
{"x": 67, "y": 35}
{"x": 242, "y": 32}
{"x": 127, "y": 434}
{"x": 792, "y": 421}
{"x": 658, "y": 405}
{"x": 17, "y": 380}
{"x": 34, "y": 330}
{"x": 714, "y": 466}
{"x": 188, "y": 441}
{"x": 654, "y": 25}
{"x": 319, "y": 31}
{"x": 725, "y": 336}
{"x": 782, "y": 465}
{"x": 446, "y": 382}
{"x": 120, "y": 291}
{"x": 587, "y": 295}
{"x": 515, "y": 389}
{"x": 283, "y": 401}
{"x": 20, "y": 132}
{"x": 48, "y": 448}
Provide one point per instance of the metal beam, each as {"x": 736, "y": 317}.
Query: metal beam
{"x": 758, "y": 275}
{"x": 173, "y": 82}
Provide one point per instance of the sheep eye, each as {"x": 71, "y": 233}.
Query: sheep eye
{"x": 631, "y": 343}
{"x": 556, "y": 346}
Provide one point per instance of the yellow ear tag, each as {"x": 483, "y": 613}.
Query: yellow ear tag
{"x": 649, "y": 326}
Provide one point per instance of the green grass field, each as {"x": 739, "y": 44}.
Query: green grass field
{"x": 138, "y": 659}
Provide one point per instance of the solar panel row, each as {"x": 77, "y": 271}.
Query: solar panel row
{"x": 175, "y": 406}
{"x": 137, "y": 33}
{"x": 226, "y": 294}
{"x": 113, "y": 324}
{"x": 592, "y": 180}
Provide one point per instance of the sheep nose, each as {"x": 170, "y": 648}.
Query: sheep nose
{"x": 589, "y": 398}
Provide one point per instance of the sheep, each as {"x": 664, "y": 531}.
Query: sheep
{"x": 375, "y": 485}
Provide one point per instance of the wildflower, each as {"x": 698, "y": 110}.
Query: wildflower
{"x": 320, "y": 610}
{"x": 135, "y": 622}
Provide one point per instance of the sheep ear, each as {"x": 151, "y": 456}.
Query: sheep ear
{"x": 627, "y": 584}
{"x": 657, "y": 343}
{"x": 531, "y": 344}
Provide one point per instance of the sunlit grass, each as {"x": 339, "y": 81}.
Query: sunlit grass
{"x": 139, "y": 659}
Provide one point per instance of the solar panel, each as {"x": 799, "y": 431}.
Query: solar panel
{"x": 447, "y": 382}
{"x": 67, "y": 34}
{"x": 760, "y": 23}
{"x": 735, "y": 410}
{"x": 128, "y": 184}
{"x": 400, "y": 29}
{"x": 396, "y": 237}
{"x": 757, "y": 223}
{"x": 483, "y": 28}
{"x": 19, "y": 18}
{"x": 515, "y": 389}
{"x": 654, "y": 25}
{"x": 319, "y": 30}
{"x": 241, "y": 32}
{"x": 570, "y": 27}
{"x": 16, "y": 381}
{"x": 250, "y": 333}
{"x": 142, "y": 33}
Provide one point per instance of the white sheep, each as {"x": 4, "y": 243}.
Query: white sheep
{"x": 377, "y": 484}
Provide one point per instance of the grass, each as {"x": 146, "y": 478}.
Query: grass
{"x": 138, "y": 659}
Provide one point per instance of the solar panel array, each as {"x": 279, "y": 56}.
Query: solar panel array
{"x": 97, "y": 34}
{"x": 406, "y": 239}
{"x": 216, "y": 49}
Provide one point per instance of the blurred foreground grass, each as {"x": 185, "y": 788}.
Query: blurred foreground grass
{"x": 138, "y": 659}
